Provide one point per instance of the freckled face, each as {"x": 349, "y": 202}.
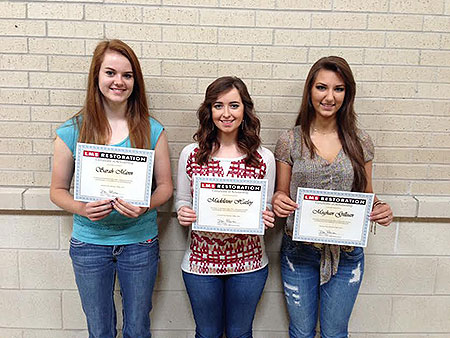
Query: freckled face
{"x": 228, "y": 112}
{"x": 327, "y": 93}
{"x": 115, "y": 78}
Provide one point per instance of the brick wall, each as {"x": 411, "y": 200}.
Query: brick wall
{"x": 400, "y": 53}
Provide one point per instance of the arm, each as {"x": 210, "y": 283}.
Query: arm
{"x": 186, "y": 215}
{"x": 381, "y": 212}
{"x": 268, "y": 215}
{"x": 62, "y": 172}
{"x": 283, "y": 205}
{"x": 270, "y": 175}
{"x": 162, "y": 172}
{"x": 163, "y": 178}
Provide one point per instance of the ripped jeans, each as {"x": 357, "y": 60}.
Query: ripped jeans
{"x": 300, "y": 270}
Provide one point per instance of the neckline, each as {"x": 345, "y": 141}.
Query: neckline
{"x": 334, "y": 159}
{"x": 228, "y": 158}
{"x": 119, "y": 143}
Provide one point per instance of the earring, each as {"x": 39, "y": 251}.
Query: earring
{"x": 243, "y": 124}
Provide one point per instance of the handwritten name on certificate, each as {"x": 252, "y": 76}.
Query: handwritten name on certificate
{"x": 332, "y": 217}
{"x": 230, "y": 205}
{"x": 106, "y": 172}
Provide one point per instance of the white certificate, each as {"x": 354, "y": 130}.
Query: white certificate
{"x": 230, "y": 205}
{"x": 106, "y": 172}
{"x": 332, "y": 217}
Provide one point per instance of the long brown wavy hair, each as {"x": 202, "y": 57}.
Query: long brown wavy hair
{"x": 248, "y": 134}
{"x": 346, "y": 118}
{"x": 91, "y": 119}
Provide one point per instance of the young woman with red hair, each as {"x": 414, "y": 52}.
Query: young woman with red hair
{"x": 113, "y": 237}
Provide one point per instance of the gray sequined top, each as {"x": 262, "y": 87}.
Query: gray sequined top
{"x": 318, "y": 173}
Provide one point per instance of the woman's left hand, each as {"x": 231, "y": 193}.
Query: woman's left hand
{"x": 382, "y": 214}
{"x": 268, "y": 218}
{"x": 128, "y": 209}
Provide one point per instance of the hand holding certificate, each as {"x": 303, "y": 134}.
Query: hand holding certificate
{"x": 105, "y": 172}
{"x": 229, "y": 205}
{"x": 333, "y": 217}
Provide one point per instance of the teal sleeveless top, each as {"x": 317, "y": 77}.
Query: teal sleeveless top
{"x": 115, "y": 229}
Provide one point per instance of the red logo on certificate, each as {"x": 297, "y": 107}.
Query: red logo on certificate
{"x": 311, "y": 197}
{"x": 90, "y": 153}
{"x": 208, "y": 185}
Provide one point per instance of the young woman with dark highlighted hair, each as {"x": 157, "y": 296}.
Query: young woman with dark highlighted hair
{"x": 113, "y": 237}
{"x": 224, "y": 273}
{"x": 325, "y": 150}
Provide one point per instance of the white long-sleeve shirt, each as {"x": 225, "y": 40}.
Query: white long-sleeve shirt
{"x": 219, "y": 253}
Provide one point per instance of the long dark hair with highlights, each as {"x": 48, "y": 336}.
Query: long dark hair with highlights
{"x": 93, "y": 124}
{"x": 248, "y": 136}
{"x": 346, "y": 119}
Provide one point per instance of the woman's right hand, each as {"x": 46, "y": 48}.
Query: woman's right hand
{"x": 98, "y": 210}
{"x": 282, "y": 204}
{"x": 186, "y": 216}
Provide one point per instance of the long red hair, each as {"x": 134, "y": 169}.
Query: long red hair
{"x": 93, "y": 124}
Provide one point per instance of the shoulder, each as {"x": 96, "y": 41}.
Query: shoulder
{"x": 365, "y": 139}
{"x": 156, "y": 130}
{"x": 187, "y": 161}
{"x": 363, "y": 135}
{"x": 266, "y": 154}
{"x": 286, "y": 144}
{"x": 288, "y": 137}
{"x": 70, "y": 125}
{"x": 267, "y": 160}
{"x": 289, "y": 133}
{"x": 156, "y": 125}
{"x": 189, "y": 149}
{"x": 367, "y": 144}
{"x": 68, "y": 132}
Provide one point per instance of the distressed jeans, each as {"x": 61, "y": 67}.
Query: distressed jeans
{"x": 225, "y": 303}
{"x": 95, "y": 268}
{"x": 300, "y": 270}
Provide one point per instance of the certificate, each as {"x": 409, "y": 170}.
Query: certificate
{"x": 105, "y": 172}
{"x": 230, "y": 205}
{"x": 332, "y": 217}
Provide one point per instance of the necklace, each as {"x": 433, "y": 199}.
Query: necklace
{"x": 324, "y": 133}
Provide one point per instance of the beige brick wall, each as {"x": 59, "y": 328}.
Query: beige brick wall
{"x": 400, "y": 53}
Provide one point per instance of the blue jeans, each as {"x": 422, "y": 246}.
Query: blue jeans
{"x": 225, "y": 303}
{"x": 95, "y": 267}
{"x": 300, "y": 266}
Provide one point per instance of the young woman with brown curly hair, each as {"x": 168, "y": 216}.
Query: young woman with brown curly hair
{"x": 224, "y": 273}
